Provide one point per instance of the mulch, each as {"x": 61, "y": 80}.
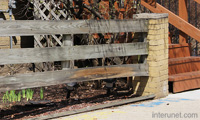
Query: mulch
{"x": 85, "y": 95}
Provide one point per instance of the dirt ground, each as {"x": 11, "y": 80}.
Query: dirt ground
{"x": 55, "y": 101}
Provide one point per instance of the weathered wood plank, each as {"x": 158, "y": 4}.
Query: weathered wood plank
{"x": 41, "y": 27}
{"x": 24, "y": 81}
{"x": 35, "y": 55}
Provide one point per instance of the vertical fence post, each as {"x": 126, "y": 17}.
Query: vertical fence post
{"x": 68, "y": 64}
{"x": 67, "y": 41}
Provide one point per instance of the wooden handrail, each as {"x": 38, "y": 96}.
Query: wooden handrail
{"x": 198, "y": 1}
{"x": 175, "y": 20}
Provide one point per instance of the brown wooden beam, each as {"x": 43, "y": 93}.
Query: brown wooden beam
{"x": 198, "y": 1}
{"x": 184, "y": 15}
{"x": 176, "y": 21}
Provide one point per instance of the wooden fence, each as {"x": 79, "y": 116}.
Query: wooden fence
{"x": 36, "y": 55}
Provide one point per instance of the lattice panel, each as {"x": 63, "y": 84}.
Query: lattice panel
{"x": 48, "y": 10}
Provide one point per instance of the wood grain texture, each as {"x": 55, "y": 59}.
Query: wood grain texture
{"x": 23, "y": 81}
{"x": 35, "y": 55}
{"x": 183, "y": 13}
{"x": 176, "y": 21}
{"x": 41, "y": 27}
{"x": 198, "y": 1}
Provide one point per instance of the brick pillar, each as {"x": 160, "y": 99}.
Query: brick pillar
{"x": 157, "y": 82}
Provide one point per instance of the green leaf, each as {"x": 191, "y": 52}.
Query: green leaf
{"x": 27, "y": 94}
{"x": 19, "y": 96}
{"x": 41, "y": 94}
{"x": 23, "y": 93}
{"x": 31, "y": 96}
{"x": 4, "y": 98}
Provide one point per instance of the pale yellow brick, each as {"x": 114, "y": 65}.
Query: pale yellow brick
{"x": 164, "y": 72}
{"x": 154, "y": 63}
{"x": 154, "y": 73}
{"x": 166, "y": 30}
{"x": 153, "y": 21}
{"x": 156, "y": 58}
{"x": 153, "y": 37}
{"x": 162, "y": 31}
{"x": 156, "y": 53}
{"x": 156, "y": 32}
{"x": 151, "y": 90}
{"x": 156, "y": 42}
{"x": 159, "y": 47}
{"x": 161, "y": 94}
{"x": 164, "y": 67}
{"x": 154, "y": 69}
{"x": 162, "y": 21}
{"x": 4, "y": 4}
{"x": 164, "y": 36}
{"x": 162, "y": 26}
{"x": 166, "y": 56}
{"x": 160, "y": 79}
{"x": 160, "y": 68}
{"x": 165, "y": 83}
{"x": 166, "y": 40}
{"x": 166, "y": 51}
{"x": 153, "y": 85}
{"x": 152, "y": 32}
{"x": 154, "y": 27}
{"x": 166, "y": 20}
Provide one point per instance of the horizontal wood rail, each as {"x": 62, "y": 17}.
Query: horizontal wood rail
{"x": 66, "y": 53}
{"x": 35, "y": 55}
{"x": 41, "y": 27}
{"x": 175, "y": 20}
{"x": 24, "y": 81}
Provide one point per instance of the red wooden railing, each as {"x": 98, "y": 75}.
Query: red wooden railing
{"x": 179, "y": 22}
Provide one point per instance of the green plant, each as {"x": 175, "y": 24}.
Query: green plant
{"x": 23, "y": 93}
{"x": 41, "y": 93}
{"x": 5, "y": 97}
{"x": 29, "y": 94}
{"x": 11, "y": 96}
{"x": 19, "y": 96}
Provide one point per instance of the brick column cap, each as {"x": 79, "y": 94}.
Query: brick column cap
{"x": 150, "y": 16}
